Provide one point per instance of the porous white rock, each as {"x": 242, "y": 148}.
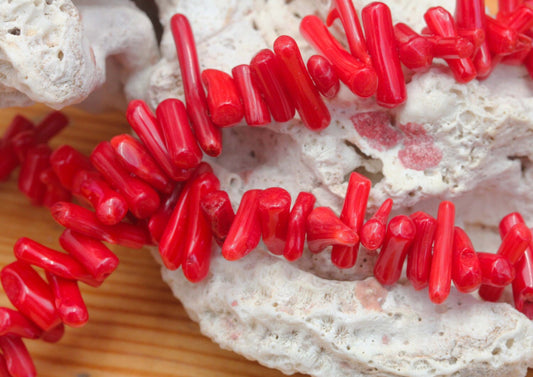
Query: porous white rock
{"x": 57, "y": 52}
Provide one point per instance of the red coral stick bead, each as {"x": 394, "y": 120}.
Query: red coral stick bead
{"x": 372, "y": 232}
{"x": 419, "y": 255}
{"x": 12, "y": 322}
{"x": 29, "y": 182}
{"x": 361, "y": 79}
{"x": 440, "y": 277}
{"x": 520, "y": 19}
{"x": 30, "y": 294}
{"x": 159, "y": 220}
{"x": 294, "y": 245}
{"x": 521, "y": 51}
{"x": 323, "y": 75}
{"x": 501, "y": 40}
{"x": 18, "y": 124}
{"x": 208, "y": 135}
{"x": 496, "y": 270}
{"x": 147, "y": 127}
{"x": 274, "y": 212}
{"x": 325, "y": 229}
{"x": 17, "y": 357}
{"x": 311, "y": 108}
{"x": 266, "y": 73}
{"x": 142, "y": 199}
{"x": 136, "y": 159}
{"x": 523, "y": 283}
{"x": 245, "y": 232}
{"x": 22, "y": 143}
{"x": 223, "y": 100}
{"x": 55, "y": 334}
{"x": 507, "y": 6}
{"x": 55, "y": 192}
{"x": 66, "y": 162}
{"x": 377, "y": 22}
{"x": 414, "y": 50}
{"x": 4, "y": 372}
{"x": 353, "y": 215}
{"x": 219, "y": 213}
{"x": 92, "y": 254}
{"x": 183, "y": 149}
{"x": 83, "y": 221}
{"x": 441, "y": 23}
{"x": 400, "y": 234}
{"x": 68, "y": 301}
{"x": 451, "y": 47}
{"x": 255, "y": 108}
{"x": 8, "y": 160}
{"x": 466, "y": 270}
{"x": 345, "y": 10}
{"x": 50, "y": 126}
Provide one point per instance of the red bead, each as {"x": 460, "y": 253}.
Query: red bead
{"x": 142, "y": 199}
{"x": 440, "y": 277}
{"x": 8, "y": 160}
{"x": 266, "y": 73}
{"x": 353, "y": 215}
{"x": 521, "y": 51}
{"x": 301, "y": 209}
{"x": 358, "y": 77}
{"x": 507, "y": 6}
{"x": 217, "y": 208}
{"x": 55, "y": 334}
{"x": 68, "y": 301}
{"x": 83, "y": 221}
{"x": 255, "y": 108}
{"x": 419, "y": 255}
{"x": 451, "y": 47}
{"x": 466, "y": 271}
{"x": 147, "y": 127}
{"x": 29, "y": 182}
{"x": 223, "y": 100}
{"x": 183, "y": 149}
{"x": 496, "y": 270}
{"x": 415, "y": 51}
{"x": 17, "y": 357}
{"x": 377, "y": 21}
{"x": 523, "y": 283}
{"x": 136, "y": 159}
{"x": 245, "y": 232}
{"x": 50, "y": 126}
{"x": 159, "y": 220}
{"x": 18, "y": 124}
{"x": 92, "y": 254}
{"x": 500, "y": 39}
{"x": 55, "y": 192}
{"x": 345, "y": 10}
{"x": 66, "y": 162}
{"x": 400, "y": 234}
{"x": 372, "y": 232}
{"x": 323, "y": 75}
{"x": 325, "y": 229}
{"x": 4, "y": 372}
{"x": 274, "y": 212}
{"x": 22, "y": 143}
{"x": 311, "y": 108}
{"x": 520, "y": 19}
{"x": 208, "y": 135}
{"x": 30, "y": 294}
{"x": 12, "y": 322}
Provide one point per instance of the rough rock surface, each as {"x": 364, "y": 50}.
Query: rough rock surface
{"x": 55, "y": 52}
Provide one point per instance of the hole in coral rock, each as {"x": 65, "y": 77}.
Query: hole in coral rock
{"x": 151, "y": 10}
{"x": 496, "y": 351}
{"x": 14, "y": 31}
{"x": 48, "y": 2}
{"x": 60, "y": 55}
{"x": 509, "y": 343}
{"x": 525, "y": 162}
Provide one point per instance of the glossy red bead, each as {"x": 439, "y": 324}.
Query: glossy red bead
{"x": 373, "y": 231}
{"x": 219, "y": 213}
{"x": 29, "y": 182}
{"x": 323, "y": 75}
{"x": 4, "y": 372}
{"x": 68, "y": 301}
{"x": 22, "y": 143}
{"x": 420, "y": 253}
{"x": 451, "y": 47}
{"x": 17, "y": 358}
{"x": 520, "y": 19}
{"x": 255, "y": 108}
{"x": 274, "y": 212}
{"x": 50, "y": 126}
{"x": 496, "y": 270}
{"x": 12, "y": 322}
{"x": 401, "y": 232}
{"x": 325, "y": 229}
{"x": 223, "y": 99}
{"x": 507, "y": 6}
{"x": 55, "y": 334}
{"x": 466, "y": 270}
{"x": 17, "y": 125}
{"x": 66, "y": 162}
{"x": 302, "y": 207}
{"x": 208, "y": 135}
{"x": 55, "y": 191}
{"x": 8, "y": 160}
{"x": 159, "y": 220}
{"x": 523, "y": 283}
{"x": 414, "y": 50}
{"x": 501, "y": 39}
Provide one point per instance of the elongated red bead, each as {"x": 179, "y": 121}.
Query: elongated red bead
{"x": 142, "y": 199}
{"x": 294, "y": 246}
{"x": 12, "y": 322}
{"x": 30, "y": 294}
{"x": 223, "y": 100}
{"x": 255, "y": 108}
{"x": 68, "y": 301}
{"x": 372, "y": 232}
{"x": 50, "y": 126}
{"x": 208, "y": 135}
{"x": 420, "y": 253}
{"x": 523, "y": 283}
{"x": 451, "y": 47}
{"x": 521, "y": 51}
{"x": 507, "y": 6}
{"x": 219, "y": 213}
{"x": 81, "y": 220}
{"x": 274, "y": 211}
{"x": 345, "y": 11}
{"x": 4, "y": 372}
{"x": 325, "y": 229}
{"x": 311, "y": 108}
{"x": 183, "y": 149}
{"x": 8, "y": 160}
{"x": 401, "y": 232}
{"x": 496, "y": 270}
{"x": 55, "y": 334}
{"x": 17, "y": 125}
{"x": 466, "y": 270}
{"x": 55, "y": 192}
{"x": 358, "y": 77}
{"x": 92, "y": 254}
{"x": 66, "y": 162}
{"x": 323, "y": 75}
{"x": 136, "y": 159}
{"x": 501, "y": 40}
{"x": 17, "y": 357}
{"x": 353, "y": 215}
{"x": 147, "y": 127}
{"x": 29, "y": 182}
{"x": 266, "y": 73}
{"x": 377, "y": 22}
{"x": 414, "y": 50}
{"x": 245, "y": 232}
{"x": 520, "y": 19}
{"x": 159, "y": 220}
{"x": 440, "y": 277}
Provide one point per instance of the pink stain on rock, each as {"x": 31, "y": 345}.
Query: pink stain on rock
{"x": 418, "y": 152}
{"x": 377, "y": 128}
